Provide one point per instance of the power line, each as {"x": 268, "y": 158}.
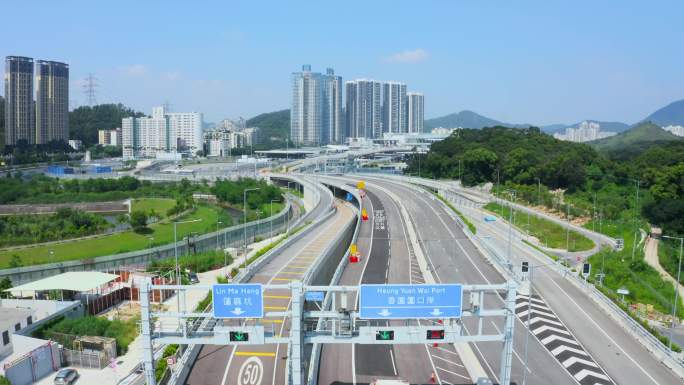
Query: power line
{"x": 89, "y": 89}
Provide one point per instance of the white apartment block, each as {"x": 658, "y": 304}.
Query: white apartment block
{"x": 163, "y": 132}
{"x": 416, "y": 115}
{"x": 675, "y": 129}
{"x": 109, "y": 137}
{"x": 585, "y": 132}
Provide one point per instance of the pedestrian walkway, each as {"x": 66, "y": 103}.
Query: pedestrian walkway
{"x": 126, "y": 363}
{"x": 651, "y": 253}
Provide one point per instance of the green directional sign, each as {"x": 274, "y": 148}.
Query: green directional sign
{"x": 384, "y": 335}
{"x": 239, "y": 337}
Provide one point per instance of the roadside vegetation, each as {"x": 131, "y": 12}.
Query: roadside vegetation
{"x": 549, "y": 234}
{"x": 123, "y": 331}
{"x": 64, "y": 224}
{"x": 151, "y": 219}
{"x": 613, "y": 190}
{"x": 465, "y": 220}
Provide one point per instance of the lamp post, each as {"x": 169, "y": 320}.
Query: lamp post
{"x": 676, "y": 298}
{"x": 272, "y": 200}
{"x": 175, "y": 254}
{"x": 51, "y": 255}
{"x": 149, "y": 245}
{"x": 510, "y": 226}
{"x": 244, "y": 225}
{"x": 217, "y": 233}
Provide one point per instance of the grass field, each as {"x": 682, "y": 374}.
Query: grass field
{"x": 159, "y": 205}
{"x": 549, "y": 234}
{"x": 161, "y": 233}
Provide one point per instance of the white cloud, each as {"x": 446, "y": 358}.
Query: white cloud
{"x": 134, "y": 70}
{"x": 415, "y": 56}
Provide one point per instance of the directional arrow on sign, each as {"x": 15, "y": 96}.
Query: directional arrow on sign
{"x": 436, "y": 312}
{"x": 237, "y": 311}
{"x": 384, "y": 313}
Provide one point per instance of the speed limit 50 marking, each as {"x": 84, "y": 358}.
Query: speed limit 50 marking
{"x": 251, "y": 372}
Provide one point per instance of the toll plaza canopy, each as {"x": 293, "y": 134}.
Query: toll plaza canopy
{"x": 79, "y": 281}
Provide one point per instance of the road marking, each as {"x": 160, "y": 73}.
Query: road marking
{"x": 230, "y": 360}
{"x": 272, "y": 321}
{"x": 573, "y": 360}
{"x": 444, "y": 359}
{"x": 275, "y": 307}
{"x": 454, "y": 373}
{"x": 251, "y": 372}
{"x": 255, "y": 354}
{"x": 277, "y": 296}
{"x": 544, "y": 328}
{"x": 291, "y": 272}
{"x": 584, "y": 373}
{"x": 284, "y": 279}
{"x": 394, "y": 366}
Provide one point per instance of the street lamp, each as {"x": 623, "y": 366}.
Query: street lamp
{"x": 217, "y": 233}
{"x": 175, "y": 254}
{"x": 51, "y": 255}
{"x": 244, "y": 225}
{"x": 510, "y": 225}
{"x": 676, "y": 298}
{"x": 150, "y": 239}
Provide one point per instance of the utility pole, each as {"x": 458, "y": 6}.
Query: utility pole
{"x": 676, "y": 298}
{"x": 636, "y": 223}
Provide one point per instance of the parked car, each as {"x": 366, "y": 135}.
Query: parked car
{"x": 193, "y": 277}
{"x": 66, "y": 376}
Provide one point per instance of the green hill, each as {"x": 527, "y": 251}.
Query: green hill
{"x": 673, "y": 114}
{"x": 274, "y": 127}
{"x": 636, "y": 139}
{"x": 465, "y": 118}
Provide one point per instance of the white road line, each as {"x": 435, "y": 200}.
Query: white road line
{"x": 564, "y": 348}
{"x": 454, "y": 373}
{"x": 447, "y": 350}
{"x": 585, "y": 372}
{"x": 230, "y": 360}
{"x": 394, "y": 366}
{"x": 554, "y": 337}
{"x": 450, "y": 362}
{"x": 573, "y": 360}
{"x": 544, "y": 328}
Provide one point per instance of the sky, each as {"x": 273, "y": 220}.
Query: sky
{"x": 539, "y": 62}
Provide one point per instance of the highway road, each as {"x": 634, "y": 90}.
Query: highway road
{"x": 454, "y": 259}
{"x": 386, "y": 257}
{"x": 222, "y": 364}
{"x": 624, "y": 359}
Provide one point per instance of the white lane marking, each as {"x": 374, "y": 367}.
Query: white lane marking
{"x": 564, "y": 348}
{"x": 251, "y": 372}
{"x": 598, "y": 327}
{"x": 544, "y": 328}
{"x": 454, "y": 373}
{"x": 394, "y": 366}
{"x": 445, "y": 360}
{"x": 230, "y": 360}
{"x": 584, "y": 373}
{"x": 573, "y": 360}
{"x": 554, "y": 337}
{"x": 447, "y": 351}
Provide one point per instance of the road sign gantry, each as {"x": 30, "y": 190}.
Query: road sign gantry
{"x": 235, "y": 303}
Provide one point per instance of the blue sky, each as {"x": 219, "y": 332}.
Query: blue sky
{"x": 536, "y": 62}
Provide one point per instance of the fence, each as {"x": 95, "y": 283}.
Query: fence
{"x": 85, "y": 359}
{"x": 229, "y": 237}
{"x": 34, "y": 365}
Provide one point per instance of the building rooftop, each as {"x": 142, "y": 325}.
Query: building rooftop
{"x": 73, "y": 281}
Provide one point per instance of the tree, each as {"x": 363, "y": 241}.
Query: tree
{"x": 5, "y": 284}
{"x": 15, "y": 261}
{"x": 138, "y": 220}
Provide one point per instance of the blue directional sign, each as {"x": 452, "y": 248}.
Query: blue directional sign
{"x": 349, "y": 197}
{"x": 314, "y": 296}
{"x": 238, "y": 300}
{"x": 410, "y": 301}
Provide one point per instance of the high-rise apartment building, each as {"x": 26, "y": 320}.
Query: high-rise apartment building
{"x": 19, "y": 108}
{"x": 416, "y": 116}
{"x": 394, "y": 107}
{"x": 163, "y": 132}
{"x": 52, "y": 101}
{"x": 307, "y": 107}
{"x": 364, "y": 109}
{"x": 316, "y": 113}
{"x": 109, "y": 137}
{"x": 332, "y": 118}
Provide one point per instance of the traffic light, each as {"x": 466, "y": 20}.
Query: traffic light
{"x": 239, "y": 337}
{"x": 435, "y": 334}
{"x": 384, "y": 335}
{"x": 525, "y": 267}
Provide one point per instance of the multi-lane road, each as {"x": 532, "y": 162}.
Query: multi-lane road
{"x": 572, "y": 341}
